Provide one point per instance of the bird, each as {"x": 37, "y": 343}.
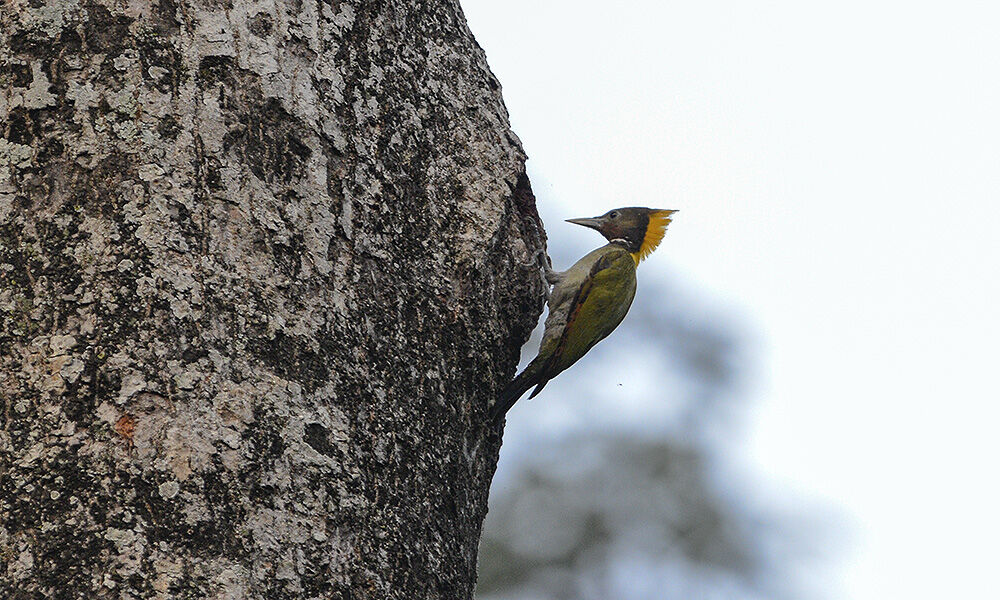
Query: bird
{"x": 591, "y": 298}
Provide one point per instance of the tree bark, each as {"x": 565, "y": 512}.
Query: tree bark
{"x": 264, "y": 266}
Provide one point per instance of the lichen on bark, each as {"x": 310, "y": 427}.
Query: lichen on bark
{"x": 263, "y": 266}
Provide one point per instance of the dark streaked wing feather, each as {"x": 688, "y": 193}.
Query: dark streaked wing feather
{"x": 544, "y": 367}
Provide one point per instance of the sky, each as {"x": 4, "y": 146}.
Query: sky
{"x": 837, "y": 171}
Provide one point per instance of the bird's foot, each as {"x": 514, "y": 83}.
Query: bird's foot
{"x": 551, "y": 277}
{"x": 538, "y": 258}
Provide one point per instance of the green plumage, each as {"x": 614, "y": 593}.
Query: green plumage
{"x": 587, "y": 303}
{"x": 591, "y": 298}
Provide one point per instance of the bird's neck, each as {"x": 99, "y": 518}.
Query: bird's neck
{"x": 629, "y": 247}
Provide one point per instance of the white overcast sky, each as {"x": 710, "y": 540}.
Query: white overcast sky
{"x": 837, "y": 168}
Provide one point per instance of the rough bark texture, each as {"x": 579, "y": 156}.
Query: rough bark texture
{"x": 264, "y": 266}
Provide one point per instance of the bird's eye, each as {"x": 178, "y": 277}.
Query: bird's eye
{"x": 613, "y": 215}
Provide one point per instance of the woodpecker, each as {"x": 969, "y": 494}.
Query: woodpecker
{"x": 591, "y": 298}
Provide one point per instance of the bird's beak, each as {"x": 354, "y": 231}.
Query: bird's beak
{"x": 594, "y": 223}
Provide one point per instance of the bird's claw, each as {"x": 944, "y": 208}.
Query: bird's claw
{"x": 551, "y": 277}
{"x": 539, "y": 257}
{"x": 542, "y": 258}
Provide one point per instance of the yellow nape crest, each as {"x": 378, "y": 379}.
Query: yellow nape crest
{"x": 657, "y": 228}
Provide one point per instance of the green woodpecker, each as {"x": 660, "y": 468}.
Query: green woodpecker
{"x": 591, "y": 298}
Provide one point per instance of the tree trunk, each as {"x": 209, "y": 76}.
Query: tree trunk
{"x": 264, "y": 266}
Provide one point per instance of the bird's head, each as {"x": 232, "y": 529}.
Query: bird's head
{"x": 638, "y": 228}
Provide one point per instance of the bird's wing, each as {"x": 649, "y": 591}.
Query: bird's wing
{"x": 600, "y": 304}
{"x": 589, "y": 301}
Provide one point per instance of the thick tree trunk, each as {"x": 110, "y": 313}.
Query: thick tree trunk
{"x": 264, "y": 266}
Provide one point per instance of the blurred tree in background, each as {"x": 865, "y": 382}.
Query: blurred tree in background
{"x": 616, "y": 490}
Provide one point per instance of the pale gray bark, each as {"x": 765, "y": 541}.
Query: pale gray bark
{"x": 263, "y": 266}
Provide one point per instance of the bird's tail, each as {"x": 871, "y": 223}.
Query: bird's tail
{"x": 532, "y": 375}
